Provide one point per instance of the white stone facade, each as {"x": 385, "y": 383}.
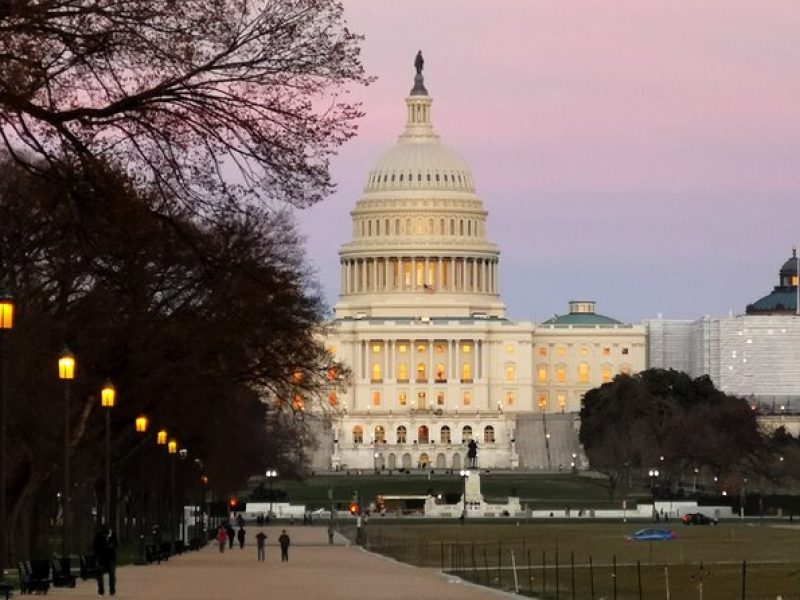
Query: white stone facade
{"x": 420, "y": 323}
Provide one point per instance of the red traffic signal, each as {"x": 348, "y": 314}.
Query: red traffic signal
{"x": 354, "y": 508}
{"x": 233, "y": 503}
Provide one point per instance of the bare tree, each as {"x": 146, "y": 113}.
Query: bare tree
{"x": 203, "y": 100}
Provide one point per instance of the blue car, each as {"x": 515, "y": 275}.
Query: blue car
{"x": 651, "y": 535}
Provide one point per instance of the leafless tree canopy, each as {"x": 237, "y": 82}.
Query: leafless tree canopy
{"x": 203, "y": 99}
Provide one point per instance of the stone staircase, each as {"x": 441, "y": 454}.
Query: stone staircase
{"x": 531, "y": 441}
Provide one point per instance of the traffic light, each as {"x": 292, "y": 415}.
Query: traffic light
{"x": 233, "y": 503}
{"x": 355, "y": 509}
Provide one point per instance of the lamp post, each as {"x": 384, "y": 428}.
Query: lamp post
{"x": 141, "y": 429}
{"x": 653, "y": 475}
{"x": 161, "y": 440}
{"x": 172, "y": 450}
{"x": 271, "y": 474}
{"x": 183, "y": 453}
{"x": 694, "y": 481}
{"x": 108, "y": 397}
{"x": 6, "y": 323}
{"x": 464, "y": 475}
{"x": 66, "y": 373}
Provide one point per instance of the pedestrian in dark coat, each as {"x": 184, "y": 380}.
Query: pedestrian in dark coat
{"x": 261, "y": 537}
{"x": 231, "y": 534}
{"x": 284, "y": 541}
{"x": 104, "y": 547}
{"x": 240, "y": 536}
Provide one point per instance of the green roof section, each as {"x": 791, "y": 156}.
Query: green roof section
{"x": 581, "y": 314}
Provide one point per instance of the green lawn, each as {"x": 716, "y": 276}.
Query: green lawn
{"x": 537, "y": 490}
{"x": 476, "y": 549}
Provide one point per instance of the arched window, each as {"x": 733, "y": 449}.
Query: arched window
{"x": 440, "y": 374}
{"x": 541, "y": 373}
{"x": 444, "y": 435}
{"x": 440, "y": 398}
{"x": 466, "y": 372}
{"x": 466, "y": 434}
{"x": 421, "y": 375}
{"x": 402, "y": 398}
{"x": 430, "y": 227}
{"x": 380, "y": 435}
{"x": 561, "y": 373}
{"x": 625, "y": 369}
{"x": 402, "y": 371}
{"x": 452, "y": 227}
{"x": 606, "y": 373}
{"x": 358, "y": 435}
{"x": 376, "y": 373}
{"x": 543, "y": 401}
{"x": 488, "y": 435}
{"x": 461, "y": 227}
{"x": 441, "y": 461}
{"x": 466, "y": 398}
{"x": 424, "y": 461}
{"x": 510, "y": 372}
{"x": 422, "y": 434}
{"x": 397, "y": 226}
{"x": 376, "y": 398}
{"x": 441, "y": 226}
{"x": 583, "y": 372}
{"x": 401, "y": 435}
{"x": 392, "y": 462}
{"x": 456, "y": 461}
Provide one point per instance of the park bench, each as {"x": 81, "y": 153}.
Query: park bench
{"x": 89, "y": 567}
{"x": 62, "y": 572}
{"x": 34, "y": 576}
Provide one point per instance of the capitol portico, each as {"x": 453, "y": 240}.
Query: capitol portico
{"x": 435, "y": 362}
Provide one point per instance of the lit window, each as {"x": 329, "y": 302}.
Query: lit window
{"x": 358, "y": 435}
{"x": 402, "y": 399}
{"x": 543, "y": 400}
{"x": 466, "y": 372}
{"x": 509, "y": 398}
{"x": 380, "y": 435}
{"x": 606, "y": 373}
{"x": 376, "y": 372}
{"x": 466, "y": 398}
{"x": 584, "y": 351}
{"x": 542, "y": 351}
{"x": 402, "y": 371}
{"x": 466, "y": 348}
{"x": 401, "y": 435}
{"x": 440, "y": 375}
{"x": 421, "y": 397}
{"x": 562, "y": 401}
{"x": 421, "y": 376}
{"x": 488, "y": 435}
{"x": 376, "y": 398}
{"x": 583, "y": 373}
{"x": 376, "y": 348}
{"x": 466, "y": 433}
{"x": 332, "y": 399}
{"x": 541, "y": 374}
{"x": 332, "y": 350}
{"x": 511, "y": 372}
{"x": 606, "y": 351}
{"x": 422, "y": 348}
{"x": 402, "y": 348}
{"x": 561, "y": 373}
{"x": 561, "y": 351}
{"x": 444, "y": 435}
{"x": 422, "y": 434}
{"x": 794, "y": 280}
{"x": 439, "y": 348}
{"x": 440, "y": 398}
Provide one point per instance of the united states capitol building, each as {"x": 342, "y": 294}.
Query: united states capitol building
{"x": 436, "y": 362}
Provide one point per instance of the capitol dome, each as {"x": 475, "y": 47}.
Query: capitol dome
{"x": 419, "y": 231}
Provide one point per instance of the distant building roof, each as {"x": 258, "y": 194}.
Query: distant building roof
{"x": 783, "y": 299}
{"x": 581, "y": 314}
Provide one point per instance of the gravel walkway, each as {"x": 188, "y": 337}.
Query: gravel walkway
{"x": 315, "y": 570}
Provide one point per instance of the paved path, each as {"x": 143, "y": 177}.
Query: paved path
{"x": 315, "y": 570}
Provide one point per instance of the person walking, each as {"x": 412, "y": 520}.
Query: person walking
{"x": 222, "y": 538}
{"x": 231, "y": 534}
{"x": 240, "y": 536}
{"x": 261, "y": 538}
{"x": 104, "y": 547}
{"x": 284, "y": 541}
{"x": 330, "y": 535}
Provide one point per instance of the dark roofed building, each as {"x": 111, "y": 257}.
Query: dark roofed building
{"x": 783, "y": 299}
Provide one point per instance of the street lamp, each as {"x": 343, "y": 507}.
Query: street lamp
{"x": 271, "y": 474}
{"x": 108, "y": 397}
{"x": 464, "y": 475}
{"x": 653, "y": 475}
{"x": 66, "y": 373}
{"x": 6, "y": 323}
{"x": 141, "y": 429}
{"x": 694, "y": 482}
{"x": 172, "y": 450}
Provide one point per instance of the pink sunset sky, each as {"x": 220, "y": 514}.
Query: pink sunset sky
{"x": 645, "y": 155}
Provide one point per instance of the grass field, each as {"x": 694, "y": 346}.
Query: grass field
{"x": 711, "y": 557}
